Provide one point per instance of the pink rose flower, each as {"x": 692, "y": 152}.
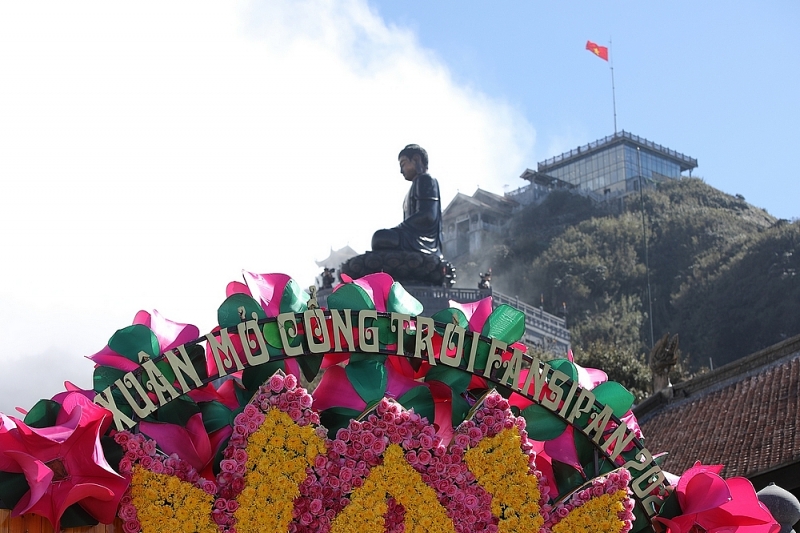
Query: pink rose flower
{"x": 127, "y": 512}
{"x": 209, "y": 487}
{"x": 378, "y": 447}
{"x": 424, "y": 457}
{"x": 339, "y": 447}
{"x": 132, "y": 526}
{"x": 316, "y": 506}
{"x": 276, "y": 383}
{"x": 149, "y": 447}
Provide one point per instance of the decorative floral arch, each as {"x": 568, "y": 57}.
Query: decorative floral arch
{"x": 440, "y": 423}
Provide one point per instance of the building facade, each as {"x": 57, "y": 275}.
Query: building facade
{"x": 469, "y": 222}
{"x": 610, "y": 167}
{"x": 603, "y": 170}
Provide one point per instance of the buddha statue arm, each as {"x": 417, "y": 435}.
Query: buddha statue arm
{"x": 427, "y": 215}
{"x": 426, "y": 209}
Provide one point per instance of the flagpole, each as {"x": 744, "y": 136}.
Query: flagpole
{"x": 613, "y": 90}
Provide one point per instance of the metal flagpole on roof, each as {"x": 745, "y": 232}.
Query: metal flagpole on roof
{"x": 613, "y": 91}
{"x": 646, "y": 251}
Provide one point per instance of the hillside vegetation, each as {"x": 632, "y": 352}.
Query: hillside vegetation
{"x": 724, "y": 275}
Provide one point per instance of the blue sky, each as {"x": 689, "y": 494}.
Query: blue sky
{"x": 714, "y": 80}
{"x": 150, "y": 152}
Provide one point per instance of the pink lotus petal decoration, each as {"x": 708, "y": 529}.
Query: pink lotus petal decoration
{"x": 377, "y": 286}
{"x": 335, "y": 390}
{"x": 70, "y": 388}
{"x": 563, "y": 449}
{"x": 476, "y": 312}
{"x": 267, "y": 290}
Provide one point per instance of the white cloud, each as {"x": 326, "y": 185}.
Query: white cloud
{"x": 150, "y": 151}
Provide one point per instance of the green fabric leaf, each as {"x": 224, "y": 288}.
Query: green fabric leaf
{"x": 294, "y": 298}
{"x": 215, "y": 415}
{"x": 641, "y": 521}
{"x": 197, "y": 355}
{"x": 255, "y": 376}
{"x": 385, "y": 333}
{"x": 368, "y": 377}
{"x": 12, "y": 488}
{"x": 362, "y": 356}
{"x": 447, "y": 317}
{"x": 566, "y": 366}
{"x": 567, "y": 478}
{"x": 586, "y": 451}
{"x": 273, "y": 337}
{"x": 112, "y": 451}
{"x": 460, "y": 409}
{"x": 310, "y": 364}
{"x": 350, "y": 296}
{"x": 615, "y": 396}
{"x": 43, "y": 414}
{"x": 178, "y": 411}
{"x": 606, "y": 466}
{"x": 242, "y": 396}
{"x": 456, "y": 379}
{"x": 670, "y": 508}
{"x": 105, "y": 376}
{"x": 335, "y": 419}
{"x": 481, "y": 354}
{"x": 400, "y": 301}
{"x": 505, "y": 323}
{"x": 230, "y": 312}
{"x": 220, "y": 455}
{"x": 542, "y": 425}
{"x": 165, "y": 369}
{"x": 421, "y": 400}
{"x": 129, "y": 341}
{"x": 75, "y": 516}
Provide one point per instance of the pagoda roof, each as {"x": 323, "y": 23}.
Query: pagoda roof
{"x": 481, "y": 199}
{"x": 337, "y": 257}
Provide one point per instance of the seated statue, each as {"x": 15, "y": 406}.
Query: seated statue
{"x": 412, "y": 251}
{"x": 421, "y": 229}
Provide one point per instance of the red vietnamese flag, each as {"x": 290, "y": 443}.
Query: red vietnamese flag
{"x": 599, "y": 51}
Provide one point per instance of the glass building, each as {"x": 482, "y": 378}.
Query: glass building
{"x": 612, "y": 166}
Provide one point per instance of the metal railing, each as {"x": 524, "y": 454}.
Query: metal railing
{"x": 581, "y": 150}
{"x": 536, "y": 319}
{"x": 535, "y": 316}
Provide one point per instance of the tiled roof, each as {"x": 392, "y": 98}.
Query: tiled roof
{"x": 748, "y": 422}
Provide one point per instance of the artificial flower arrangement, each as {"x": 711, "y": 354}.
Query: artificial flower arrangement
{"x": 398, "y": 434}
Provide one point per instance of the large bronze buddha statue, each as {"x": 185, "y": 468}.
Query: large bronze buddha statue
{"x": 421, "y": 229}
{"x": 410, "y": 252}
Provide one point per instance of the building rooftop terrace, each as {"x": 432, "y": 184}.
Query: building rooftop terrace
{"x": 685, "y": 162}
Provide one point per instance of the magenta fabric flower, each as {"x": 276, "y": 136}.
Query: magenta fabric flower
{"x": 63, "y": 464}
{"x": 191, "y": 441}
{"x": 718, "y": 505}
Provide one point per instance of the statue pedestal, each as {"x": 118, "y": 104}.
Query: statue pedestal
{"x": 405, "y": 267}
